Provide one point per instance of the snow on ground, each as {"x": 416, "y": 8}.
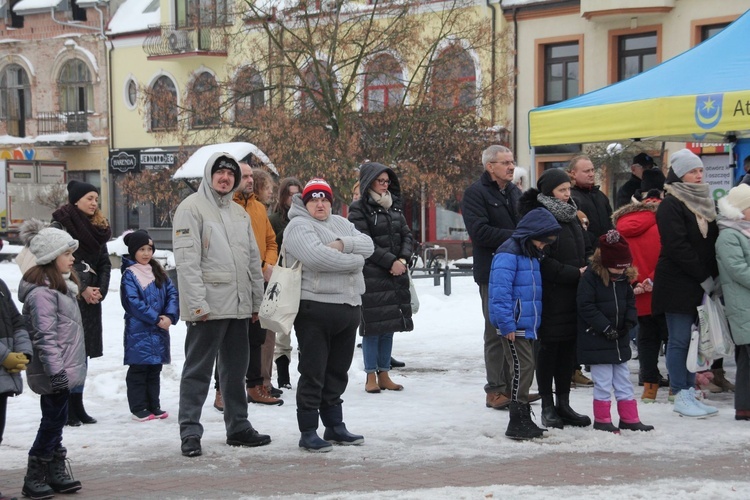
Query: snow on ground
{"x": 440, "y": 414}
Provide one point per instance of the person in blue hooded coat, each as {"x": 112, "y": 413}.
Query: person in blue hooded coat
{"x": 515, "y": 307}
{"x": 151, "y": 306}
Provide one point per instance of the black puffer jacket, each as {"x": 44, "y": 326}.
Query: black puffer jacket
{"x": 599, "y": 307}
{"x": 386, "y": 304}
{"x": 560, "y": 275}
{"x": 597, "y": 208}
{"x": 490, "y": 218}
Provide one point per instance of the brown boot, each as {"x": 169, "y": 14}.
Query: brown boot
{"x": 258, "y": 395}
{"x": 385, "y": 382}
{"x": 579, "y": 379}
{"x": 649, "y": 392}
{"x": 720, "y": 379}
{"x": 219, "y": 401}
{"x": 371, "y": 385}
{"x": 497, "y": 400}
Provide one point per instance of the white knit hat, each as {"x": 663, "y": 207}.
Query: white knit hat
{"x": 49, "y": 243}
{"x": 683, "y": 161}
{"x": 733, "y": 204}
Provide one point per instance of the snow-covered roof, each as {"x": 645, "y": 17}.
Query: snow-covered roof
{"x": 134, "y": 16}
{"x": 35, "y": 6}
{"x": 195, "y": 165}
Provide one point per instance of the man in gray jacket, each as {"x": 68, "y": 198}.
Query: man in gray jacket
{"x": 221, "y": 288}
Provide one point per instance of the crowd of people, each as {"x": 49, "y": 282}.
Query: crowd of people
{"x": 564, "y": 283}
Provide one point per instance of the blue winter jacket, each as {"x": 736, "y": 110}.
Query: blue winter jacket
{"x": 145, "y": 343}
{"x": 515, "y": 289}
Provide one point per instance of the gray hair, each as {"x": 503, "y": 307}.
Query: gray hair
{"x": 491, "y": 152}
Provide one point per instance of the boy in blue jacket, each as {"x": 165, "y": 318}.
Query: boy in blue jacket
{"x": 515, "y": 306}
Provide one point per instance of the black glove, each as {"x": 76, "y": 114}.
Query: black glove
{"x": 59, "y": 382}
{"x": 610, "y": 333}
{"x": 623, "y": 331}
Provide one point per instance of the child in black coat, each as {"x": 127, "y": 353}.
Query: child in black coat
{"x": 606, "y": 313}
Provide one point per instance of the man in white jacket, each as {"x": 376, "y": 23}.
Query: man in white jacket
{"x": 221, "y": 288}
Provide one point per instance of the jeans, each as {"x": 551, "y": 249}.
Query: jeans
{"x": 679, "y": 326}
{"x": 54, "y": 417}
{"x": 376, "y": 350}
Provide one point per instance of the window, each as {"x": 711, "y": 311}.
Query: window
{"x": 16, "y": 21}
{"x": 454, "y": 79}
{"x": 636, "y": 54}
{"x": 560, "y": 72}
{"x": 709, "y": 30}
{"x": 383, "y": 83}
{"x": 163, "y": 104}
{"x": 78, "y": 13}
{"x": 131, "y": 93}
{"x": 249, "y": 95}
{"x": 76, "y": 94}
{"x": 15, "y": 99}
{"x": 192, "y": 13}
{"x": 204, "y": 102}
{"x": 311, "y": 88}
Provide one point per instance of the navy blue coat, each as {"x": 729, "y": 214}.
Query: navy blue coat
{"x": 515, "y": 289}
{"x": 145, "y": 343}
{"x": 601, "y": 306}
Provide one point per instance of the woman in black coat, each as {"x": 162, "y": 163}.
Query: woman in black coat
{"x": 83, "y": 220}
{"x": 561, "y": 268}
{"x": 386, "y": 304}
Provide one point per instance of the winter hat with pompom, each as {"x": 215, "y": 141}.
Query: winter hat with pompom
{"x": 47, "y": 243}
{"x": 615, "y": 250}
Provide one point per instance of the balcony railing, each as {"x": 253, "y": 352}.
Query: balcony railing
{"x": 186, "y": 40}
{"x": 62, "y": 123}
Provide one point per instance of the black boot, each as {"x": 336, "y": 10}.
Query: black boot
{"x": 550, "y": 418}
{"x": 568, "y": 415}
{"x": 396, "y": 363}
{"x": 73, "y": 420}
{"x": 282, "y": 372}
{"x": 521, "y": 426}
{"x": 336, "y": 431}
{"x": 76, "y": 403}
{"x": 308, "y": 426}
{"x": 35, "y": 483}
{"x": 59, "y": 477}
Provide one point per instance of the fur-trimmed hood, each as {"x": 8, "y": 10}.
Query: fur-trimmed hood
{"x": 632, "y": 208}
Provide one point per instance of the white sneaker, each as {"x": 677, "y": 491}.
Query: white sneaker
{"x": 685, "y": 405}
{"x": 710, "y": 410}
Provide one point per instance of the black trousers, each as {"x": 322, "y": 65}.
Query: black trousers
{"x": 3, "y": 411}
{"x": 555, "y": 361}
{"x": 652, "y": 331}
{"x": 54, "y": 417}
{"x": 325, "y": 334}
{"x": 144, "y": 387}
{"x": 256, "y": 337}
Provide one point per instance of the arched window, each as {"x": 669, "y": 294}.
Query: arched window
{"x": 312, "y": 91}
{"x": 454, "y": 79}
{"x": 249, "y": 95}
{"x": 163, "y": 104}
{"x": 204, "y": 101}
{"x": 383, "y": 83}
{"x": 76, "y": 94}
{"x": 15, "y": 99}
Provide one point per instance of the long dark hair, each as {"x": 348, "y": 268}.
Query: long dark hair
{"x": 160, "y": 275}
{"x": 48, "y": 275}
{"x": 280, "y": 206}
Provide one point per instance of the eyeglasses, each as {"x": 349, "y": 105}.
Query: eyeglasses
{"x": 383, "y": 182}
{"x": 506, "y": 163}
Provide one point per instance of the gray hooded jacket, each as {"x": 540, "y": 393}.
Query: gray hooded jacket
{"x": 217, "y": 258}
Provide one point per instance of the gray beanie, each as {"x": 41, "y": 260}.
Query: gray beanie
{"x": 683, "y": 161}
{"x": 49, "y": 243}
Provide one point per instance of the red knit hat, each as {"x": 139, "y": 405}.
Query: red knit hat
{"x": 615, "y": 250}
{"x": 316, "y": 188}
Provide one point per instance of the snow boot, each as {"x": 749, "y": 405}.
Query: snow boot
{"x": 550, "y": 418}
{"x": 385, "y": 382}
{"x": 336, "y": 431}
{"x": 59, "y": 476}
{"x": 603, "y": 418}
{"x": 308, "y": 426}
{"x": 282, "y": 372}
{"x": 35, "y": 482}
{"x": 649, "y": 392}
{"x": 628, "y": 410}
{"x": 720, "y": 379}
{"x": 371, "y": 385}
{"x": 219, "y": 401}
{"x": 520, "y": 425}
{"x": 568, "y": 415}
{"x": 76, "y": 403}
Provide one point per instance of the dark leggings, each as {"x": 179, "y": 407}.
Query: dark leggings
{"x": 3, "y": 409}
{"x": 555, "y": 361}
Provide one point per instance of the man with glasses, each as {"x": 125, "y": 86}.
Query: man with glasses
{"x": 490, "y": 212}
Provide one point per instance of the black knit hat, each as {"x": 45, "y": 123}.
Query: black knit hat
{"x": 78, "y": 189}
{"x": 228, "y": 163}
{"x": 653, "y": 178}
{"x": 550, "y": 179}
{"x": 136, "y": 240}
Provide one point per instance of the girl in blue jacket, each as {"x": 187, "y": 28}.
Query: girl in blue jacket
{"x": 151, "y": 306}
{"x": 515, "y": 306}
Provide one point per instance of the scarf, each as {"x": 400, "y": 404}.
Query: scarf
{"x": 563, "y": 212}
{"x": 144, "y": 273}
{"x": 72, "y": 287}
{"x": 384, "y": 200}
{"x": 697, "y": 199}
{"x": 79, "y": 226}
{"x": 741, "y": 225}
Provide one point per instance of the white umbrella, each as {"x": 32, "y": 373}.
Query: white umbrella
{"x": 196, "y": 164}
